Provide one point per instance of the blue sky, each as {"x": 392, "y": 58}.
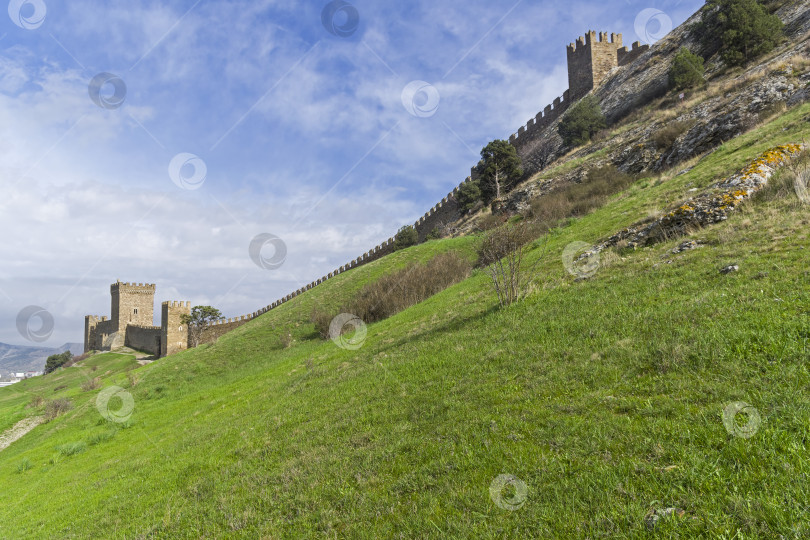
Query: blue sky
{"x": 303, "y": 134}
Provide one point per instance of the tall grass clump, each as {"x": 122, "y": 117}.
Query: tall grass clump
{"x": 789, "y": 182}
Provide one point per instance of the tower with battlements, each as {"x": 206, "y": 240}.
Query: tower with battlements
{"x": 131, "y": 303}
{"x": 590, "y": 59}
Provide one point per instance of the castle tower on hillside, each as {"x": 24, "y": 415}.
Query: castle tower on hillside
{"x": 174, "y": 332}
{"x": 590, "y": 59}
{"x": 132, "y": 308}
{"x": 132, "y": 303}
{"x": 130, "y": 323}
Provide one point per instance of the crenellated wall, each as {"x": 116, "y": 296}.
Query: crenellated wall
{"x": 143, "y": 338}
{"x": 539, "y": 123}
{"x": 627, "y": 56}
{"x": 590, "y": 60}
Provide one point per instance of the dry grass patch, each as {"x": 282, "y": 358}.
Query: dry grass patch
{"x": 576, "y": 200}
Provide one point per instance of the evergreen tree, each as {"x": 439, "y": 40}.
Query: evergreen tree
{"x": 499, "y": 169}
{"x": 469, "y": 193}
{"x": 407, "y": 236}
{"x": 744, "y": 28}
{"x": 581, "y": 122}
{"x": 687, "y": 70}
{"x": 56, "y": 361}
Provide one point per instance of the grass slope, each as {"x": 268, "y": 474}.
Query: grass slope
{"x": 603, "y": 396}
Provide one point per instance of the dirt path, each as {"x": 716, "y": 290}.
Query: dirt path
{"x": 20, "y": 428}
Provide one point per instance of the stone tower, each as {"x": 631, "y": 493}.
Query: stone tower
{"x": 174, "y": 334}
{"x": 590, "y": 60}
{"x": 131, "y": 303}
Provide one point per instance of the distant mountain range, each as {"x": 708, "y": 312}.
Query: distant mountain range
{"x": 16, "y": 358}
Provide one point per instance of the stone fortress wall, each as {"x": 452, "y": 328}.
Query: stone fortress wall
{"x": 590, "y": 60}
{"x": 143, "y": 338}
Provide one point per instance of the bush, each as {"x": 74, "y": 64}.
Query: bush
{"x": 91, "y": 384}
{"x": 56, "y": 361}
{"x": 25, "y": 465}
{"x": 415, "y": 283}
{"x": 322, "y": 319}
{"x": 501, "y": 252}
{"x": 469, "y": 195}
{"x": 687, "y": 70}
{"x": 57, "y": 407}
{"x": 397, "y": 291}
{"x": 577, "y": 200}
{"x": 665, "y": 137}
{"x": 36, "y": 402}
{"x": 406, "y": 237}
{"x": 581, "y": 122}
{"x": 744, "y": 28}
{"x": 104, "y": 436}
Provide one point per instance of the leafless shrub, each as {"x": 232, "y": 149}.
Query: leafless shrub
{"x": 285, "y": 340}
{"x": 490, "y": 221}
{"x": 322, "y": 319}
{"x": 502, "y": 252}
{"x": 91, "y": 384}
{"x": 665, "y": 137}
{"x": 75, "y": 360}
{"x": 57, "y": 407}
{"x": 36, "y": 401}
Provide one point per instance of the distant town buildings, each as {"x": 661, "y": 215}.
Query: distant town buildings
{"x": 17, "y": 377}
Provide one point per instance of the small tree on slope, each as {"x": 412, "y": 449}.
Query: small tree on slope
{"x": 499, "y": 169}
{"x": 581, "y": 122}
{"x": 686, "y": 71}
{"x": 744, "y": 29}
{"x": 200, "y": 318}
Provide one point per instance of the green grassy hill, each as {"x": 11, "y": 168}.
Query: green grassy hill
{"x": 604, "y": 397}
